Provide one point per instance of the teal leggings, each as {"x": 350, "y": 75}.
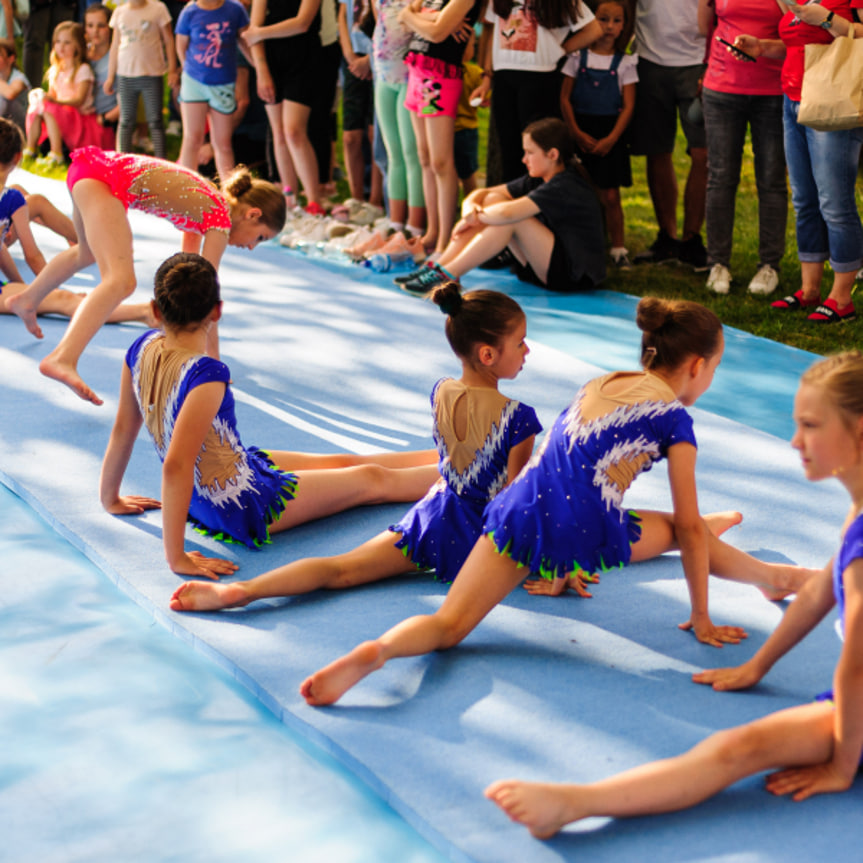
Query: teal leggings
{"x": 404, "y": 174}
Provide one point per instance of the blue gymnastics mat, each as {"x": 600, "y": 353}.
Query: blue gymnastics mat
{"x": 326, "y": 359}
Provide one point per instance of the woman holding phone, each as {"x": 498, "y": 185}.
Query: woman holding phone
{"x": 822, "y": 166}
{"x": 740, "y": 90}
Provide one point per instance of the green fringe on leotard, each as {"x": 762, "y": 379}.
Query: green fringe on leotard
{"x": 550, "y": 573}
{"x": 288, "y": 492}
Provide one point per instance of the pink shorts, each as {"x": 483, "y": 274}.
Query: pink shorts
{"x": 432, "y": 92}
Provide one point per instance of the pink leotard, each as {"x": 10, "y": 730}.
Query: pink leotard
{"x": 154, "y": 186}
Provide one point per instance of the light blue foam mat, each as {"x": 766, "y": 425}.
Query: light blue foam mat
{"x": 560, "y": 689}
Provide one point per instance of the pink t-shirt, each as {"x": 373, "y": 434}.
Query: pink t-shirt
{"x": 725, "y": 73}
{"x": 141, "y": 51}
{"x": 797, "y": 36}
{"x": 65, "y": 85}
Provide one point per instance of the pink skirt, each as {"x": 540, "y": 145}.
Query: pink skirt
{"x": 76, "y": 129}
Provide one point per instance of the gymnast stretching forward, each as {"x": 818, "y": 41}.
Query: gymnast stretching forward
{"x": 483, "y": 439}
{"x": 103, "y": 186}
{"x": 208, "y": 477}
{"x": 817, "y": 745}
{"x": 562, "y": 517}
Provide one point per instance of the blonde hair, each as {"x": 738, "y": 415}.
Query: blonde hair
{"x": 840, "y": 378}
{"x": 240, "y": 188}
{"x": 76, "y": 30}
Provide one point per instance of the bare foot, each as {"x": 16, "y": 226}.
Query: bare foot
{"x": 21, "y": 306}
{"x": 68, "y": 375}
{"x": 719, "y": 522}
{"x": 542, "y": 807}
{"x": 204, "y": 596}
{"x": 329, "y": 684}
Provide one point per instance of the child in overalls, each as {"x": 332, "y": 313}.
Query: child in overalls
{"x": 597, "y": 100}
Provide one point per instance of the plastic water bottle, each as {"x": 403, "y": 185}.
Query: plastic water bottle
{"x": 379, "y": 263}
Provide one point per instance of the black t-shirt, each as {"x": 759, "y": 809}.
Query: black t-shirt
{"x": 571, "y": 210}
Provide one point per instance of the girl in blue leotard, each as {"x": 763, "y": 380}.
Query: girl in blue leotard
{"x": 562, "y": 517}
{"x": 209, "y": 477}
{"x": 822, "y": 740}
{"x": 483, "y": 439}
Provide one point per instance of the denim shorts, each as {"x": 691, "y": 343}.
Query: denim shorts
{"x": 663, "y": 92}
{"x": 220, "y": 97}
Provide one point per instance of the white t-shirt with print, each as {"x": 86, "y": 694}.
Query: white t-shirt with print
{"x": 520, "y": 43}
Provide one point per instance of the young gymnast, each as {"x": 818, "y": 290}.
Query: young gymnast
{"x": 817, "y": 746}
{"x": 483, "y": 438}
{"x": 17, "y": 210}
{"x": 235, "y": 492}
{"x": 103, "y": 186}
{"x": 617, "y": 426}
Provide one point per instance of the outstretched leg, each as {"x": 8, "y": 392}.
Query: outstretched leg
{"x": 374, "y": 560}
{"x": 58, "y": 270}
{"x": 326, "y": 492}
{"x": 775, "y": 580}
{"x": 484, "y": 580}
{"x": 797, "y": 736}
{"x": 294, "y": 461}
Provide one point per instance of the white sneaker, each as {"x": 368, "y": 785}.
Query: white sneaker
{"x": 765, "y": 281}
{"x": 719, "y": 280}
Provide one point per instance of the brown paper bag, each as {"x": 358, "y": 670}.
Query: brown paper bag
{"x": 832, "y": 93}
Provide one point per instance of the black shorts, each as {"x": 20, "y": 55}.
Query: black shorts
{"x": 559, "y": 277}
{"x": 358, "y": 102}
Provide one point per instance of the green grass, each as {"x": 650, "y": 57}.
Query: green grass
{"x": 739, "y": 308}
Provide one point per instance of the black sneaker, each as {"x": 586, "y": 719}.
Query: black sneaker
{"x": 427, "y": 280}
{"x": 407, "y": 277}
{"x": 500, "y": 261}
{"x": 693, "y": 254}
{"x": 664, "y": 248}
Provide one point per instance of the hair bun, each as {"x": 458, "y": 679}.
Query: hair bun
{"x": 653, "y": 313}
{"x": 448, "y": 298}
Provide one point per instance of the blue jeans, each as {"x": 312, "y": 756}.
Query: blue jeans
{"x": 822, "y": 167}
{"x": 726, "y": 116}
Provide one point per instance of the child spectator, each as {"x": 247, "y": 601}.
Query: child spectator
{"x": 98, "y": 36}
{"x": 142, "y": 51}
{"x": 285, "y": 41}
{"x": 13, "y": 85}
{"x": 597, "y": 100}
{"x": 405, "y": 201}
{"x": 434, "y": 62}
{"x": 466, "y": 140}
{"x": 207, "y": 39}
{"x": 66, "y": 108}
{"x": 356, "y": 25}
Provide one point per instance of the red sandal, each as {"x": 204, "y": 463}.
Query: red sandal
{"x": 830, "y": 313}
{"x": 795, "y": 301}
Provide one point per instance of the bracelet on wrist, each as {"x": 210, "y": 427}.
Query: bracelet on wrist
{"x": 487, "y": 74}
